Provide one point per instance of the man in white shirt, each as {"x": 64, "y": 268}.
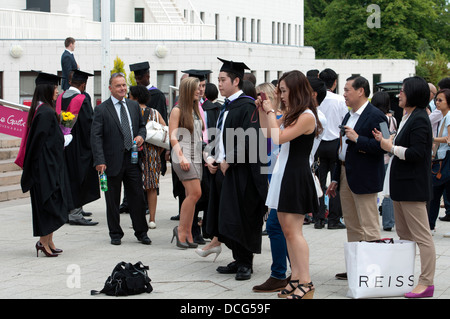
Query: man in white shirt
{"x": 334, "y": 109}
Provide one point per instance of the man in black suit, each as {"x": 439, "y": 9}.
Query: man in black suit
{"x": 116, "y": 121}
{"x": 68, "y": 62}
{"x": 360, "y": 169}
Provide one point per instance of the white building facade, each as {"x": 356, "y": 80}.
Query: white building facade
{"x": 173, "y": 35}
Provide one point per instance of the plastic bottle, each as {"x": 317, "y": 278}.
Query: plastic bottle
{"x": 134, "y": 153}
{"x": 103, "y": 182}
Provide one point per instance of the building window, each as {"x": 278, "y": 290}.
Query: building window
{"x": 26, "y": 87}
{"x": 139, "y": 15}
{"x": 244, "y": 29}
{"x": 217, "y": 20}
{"x": 238, "y": 29}
{"x": 258, "y": 31}
{"x": 38, "y": 5}
{"x": 202, "y": 17}
{"x": 98, "y": 10}
{"x": 274, "y": 32}
{"x": 97, "y": 88}
{"x": 165, "y": 80}
{"x": 376, "y": 79}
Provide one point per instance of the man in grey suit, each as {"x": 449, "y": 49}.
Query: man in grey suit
{"x": 117, "y": 123}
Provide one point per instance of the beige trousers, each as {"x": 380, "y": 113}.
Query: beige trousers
{"x": 360, "y": 213}
{"x": 411, "y": 223}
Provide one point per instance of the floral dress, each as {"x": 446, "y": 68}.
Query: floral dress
{"x": 151, "y": 160}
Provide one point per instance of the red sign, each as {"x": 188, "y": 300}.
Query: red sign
{"x": 12, "y": 121}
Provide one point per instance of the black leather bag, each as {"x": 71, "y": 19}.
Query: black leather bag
{"x": 440, "y": 170}
{"x": 127, "y": 279}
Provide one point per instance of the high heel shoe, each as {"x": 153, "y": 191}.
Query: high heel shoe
{"x": 306, "y": 294}
{"x": 39, "y": 246}
{"x": 56, "y": 250}
{"x": 191, "y": 245}
{"x": 179, "y": 243}
{"x": 203, "y": 253}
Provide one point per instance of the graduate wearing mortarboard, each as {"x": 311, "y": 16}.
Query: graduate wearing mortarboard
{"x": 44, "y": 173}
{"x": 158, "y": 99}
{"x": 84, "y": 182}
{"x": 238, "y": 187}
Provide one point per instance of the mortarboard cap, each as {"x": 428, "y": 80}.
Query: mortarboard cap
{"x": 200, "y": 74}
{"x": 237, "y": 68}
{"x": 46, "y": 78}
{"x": 140, "y": 68}
{"x": 80, "y": 76}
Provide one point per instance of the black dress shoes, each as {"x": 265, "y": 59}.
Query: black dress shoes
{"x": 115, "y": 241}
{"x": 446, "y": 218}
{"x": 86, "y": 214}
{"x": 145, "y": 240}
{"x": 231, "y": 268}
{"x": 82, "y": 222}
{"x": 243, "y": 273}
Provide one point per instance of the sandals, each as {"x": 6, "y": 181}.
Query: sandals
{"x": 286, "y": 292}
{"x": 306, "y": 294}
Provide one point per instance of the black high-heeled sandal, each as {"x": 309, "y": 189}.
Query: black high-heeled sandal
{"x": 306, "y": 294}
{"x": 286, "y": 292}
{"x": 179, "y": 244}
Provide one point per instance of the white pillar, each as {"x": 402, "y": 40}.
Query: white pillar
{"x": 106, "y": 47}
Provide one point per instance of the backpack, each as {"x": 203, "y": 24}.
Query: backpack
{"x": 127, "y": 279}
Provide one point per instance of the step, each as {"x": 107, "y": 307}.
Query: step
{"x": 8, "y": 165}
{"x": 7, "y": 141}
{"x": 8, "y": 153}
{"x": 11, "y": 192}
{"x": 10, "y": 178}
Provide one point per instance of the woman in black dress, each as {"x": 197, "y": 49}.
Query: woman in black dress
{"x": 291, "y": 191}
{"x": 43, "y": 168}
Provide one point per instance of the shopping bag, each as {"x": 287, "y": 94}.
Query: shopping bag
{"x": 384, "y": 268}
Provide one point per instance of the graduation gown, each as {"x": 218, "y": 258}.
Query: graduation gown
{"x": 158, "y": 102}
{"x": 44, "y": 172}
{"x": 237, "y": 203}
{"x": 83, "y": 177}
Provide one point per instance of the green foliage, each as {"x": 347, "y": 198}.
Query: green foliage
{"x": 432, "y": 66}
{"x": 119, "y": 67}
{"x": 340, "y": 29}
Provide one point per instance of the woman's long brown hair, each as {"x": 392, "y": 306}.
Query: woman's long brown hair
{"x": 300, "y": 98}
{"x": 188, "y": 103}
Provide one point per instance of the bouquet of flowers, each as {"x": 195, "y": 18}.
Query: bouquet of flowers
{"x": 67, "y": 122}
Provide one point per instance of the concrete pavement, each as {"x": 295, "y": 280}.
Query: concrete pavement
{"x": 89, "y": 258}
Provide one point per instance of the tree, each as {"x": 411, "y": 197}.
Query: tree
{"x": 344, "y": 28}
{"x": 119, "y": 68}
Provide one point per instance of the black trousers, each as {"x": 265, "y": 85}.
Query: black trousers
{"x": 131, "y": 177}
{"x": 327, "y": 162}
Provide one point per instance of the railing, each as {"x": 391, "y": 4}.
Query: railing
{"x": 14, "y": 105}
{"x": 18, "y": 24}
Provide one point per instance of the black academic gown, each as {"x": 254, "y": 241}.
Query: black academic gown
{"x": 84, "y": 183}
{"x": 158, "y": 102}
{"x": 237, "y": 202}
{"x": 44, "y": 173}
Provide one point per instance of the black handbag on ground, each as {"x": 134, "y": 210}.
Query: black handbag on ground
{"x": 127, "y": 279}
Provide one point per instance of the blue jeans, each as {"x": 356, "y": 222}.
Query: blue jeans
{"x": 277, "y": 245}
{"x": 387, "y": 209}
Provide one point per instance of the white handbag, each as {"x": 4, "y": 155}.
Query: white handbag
{"x": 157, "y": 134}
{"x": 380, "y": 269}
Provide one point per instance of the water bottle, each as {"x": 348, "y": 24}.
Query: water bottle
{"x": 134, "y": 153}
{"x": 103, "y": 182}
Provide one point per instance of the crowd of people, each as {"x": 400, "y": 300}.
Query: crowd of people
{"x": 318, "y": 145}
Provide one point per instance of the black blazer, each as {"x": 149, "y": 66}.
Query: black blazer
{"x": 364, "y": 161}
{"x": 410, "y": 179}
{"x": 107, "y": 137}
{"x": 68, "y": 64}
